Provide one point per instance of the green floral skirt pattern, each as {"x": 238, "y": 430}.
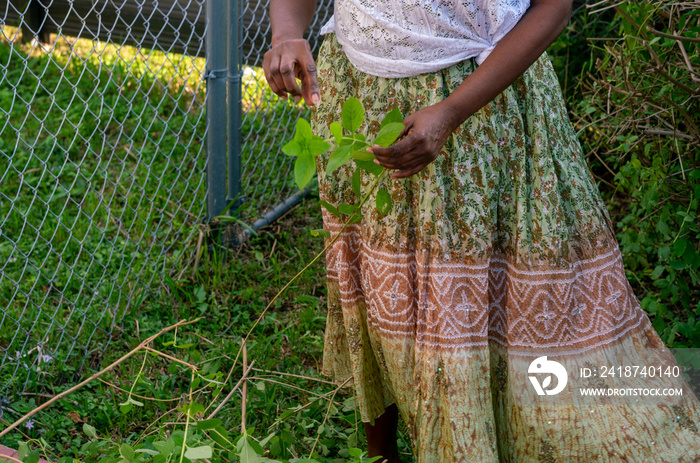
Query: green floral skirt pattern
{"x": 500, "y": 248}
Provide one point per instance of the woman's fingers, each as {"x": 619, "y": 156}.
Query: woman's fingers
{"x": 286, "y": 62}
{"x": 288, "y": 75}
{"x": 425, "y": 133}
{"x": 309, "y": 82}
{"x": 407, "y": 173}
{"x": 389, "y": 157}
{"x": 270, "y": 73}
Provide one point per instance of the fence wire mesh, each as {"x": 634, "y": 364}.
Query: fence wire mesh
{"x": 102, "y": 162}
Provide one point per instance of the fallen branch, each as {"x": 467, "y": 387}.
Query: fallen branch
{"x": 121, "y": 360}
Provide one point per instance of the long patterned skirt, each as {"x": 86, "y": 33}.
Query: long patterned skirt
{"x": 496, "y": 269}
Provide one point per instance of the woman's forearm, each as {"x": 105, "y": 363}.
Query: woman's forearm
{"x": 541, "y": 24}
{"x": 289, "y": 19}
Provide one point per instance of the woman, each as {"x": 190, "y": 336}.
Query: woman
{"x": 498, "y": 251}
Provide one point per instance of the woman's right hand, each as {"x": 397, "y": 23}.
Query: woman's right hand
{"x": 287, "y": 61}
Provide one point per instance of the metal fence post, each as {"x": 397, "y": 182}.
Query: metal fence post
{"x": 216, "y": 107}
{"x": 234, "y": 106}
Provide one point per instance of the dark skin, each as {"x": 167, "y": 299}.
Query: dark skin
{"x": 428, "y": 129}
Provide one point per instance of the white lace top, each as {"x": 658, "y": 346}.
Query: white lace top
{"x": 401, "y": 38}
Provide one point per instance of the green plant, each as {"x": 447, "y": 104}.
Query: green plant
{"x": 349, "y": 145}
{"x": 638, "y": 110}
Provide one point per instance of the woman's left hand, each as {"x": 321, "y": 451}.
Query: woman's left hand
{"x": 426, "y": 132}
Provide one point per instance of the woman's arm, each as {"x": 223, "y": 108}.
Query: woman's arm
{"x": 290, "y": 54}
{"x": 427, "y": 130}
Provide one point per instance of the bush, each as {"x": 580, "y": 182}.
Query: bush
{"x": 635, "y": 104}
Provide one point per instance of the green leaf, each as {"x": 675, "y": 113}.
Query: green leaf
{"x": 355, "y": 219}
{"x": 362, "y": 154}
{"x": 150, "y": 452}
{"x": 360, "y": 145}
{"x": 337, "y": 131}
{"x": 303, "y": 131}
{"x": 369, "y": 166}
{"x": 198, "y": 453}
{"x": 208, "y": 424}
{"x": 89, "y": 430}
{"x": 196, "y": 408}
{"x": 318, "y": 145}
{"x": 133, "y": 401}
{"x": 392, "y": 116}
{"x": 689, "y": 254}
{"x": 663, "y": 228}
{"x": 383, "y": 202}
{"x": 678, "y": 264}
{"x": 267, "y": 439}
{"x": 127, "y": 452}
{"x": 679, "y": 246}
{"x": 192, "y": 408}
{"x": 125, "y": 407}
{"x": 348, "y": 209}
{"x": 320, "y": 232}
{"x": 165, "y": 447}
{"x": 357, "y": 182}
{"x": 32, "y": 457}
{"x": 340, "y": 156}
{"x": 389, "y": 133}
{"x": 292, "y": 148}
{"x": 220, "y": 436}
{"x": 23, "y": 450}
{"x": 246, "y": 452}
{"x": 304, "y": 170}
{"x": 333, "y": 210}
{"x": 658, "y": 271}
{"x": 352, "y": 115}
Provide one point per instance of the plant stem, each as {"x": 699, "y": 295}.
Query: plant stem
{"x": 187, "y": 421}
{"x": 289, "y": 283}
{"x": 244, "y": 391}
{"x": 325, "y": 418}
{"x": 143, "y": 365}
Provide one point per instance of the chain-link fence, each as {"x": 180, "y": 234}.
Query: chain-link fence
{"x": 102, "y": 169}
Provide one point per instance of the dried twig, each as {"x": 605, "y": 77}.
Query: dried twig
{"x": 121, "y": 360}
